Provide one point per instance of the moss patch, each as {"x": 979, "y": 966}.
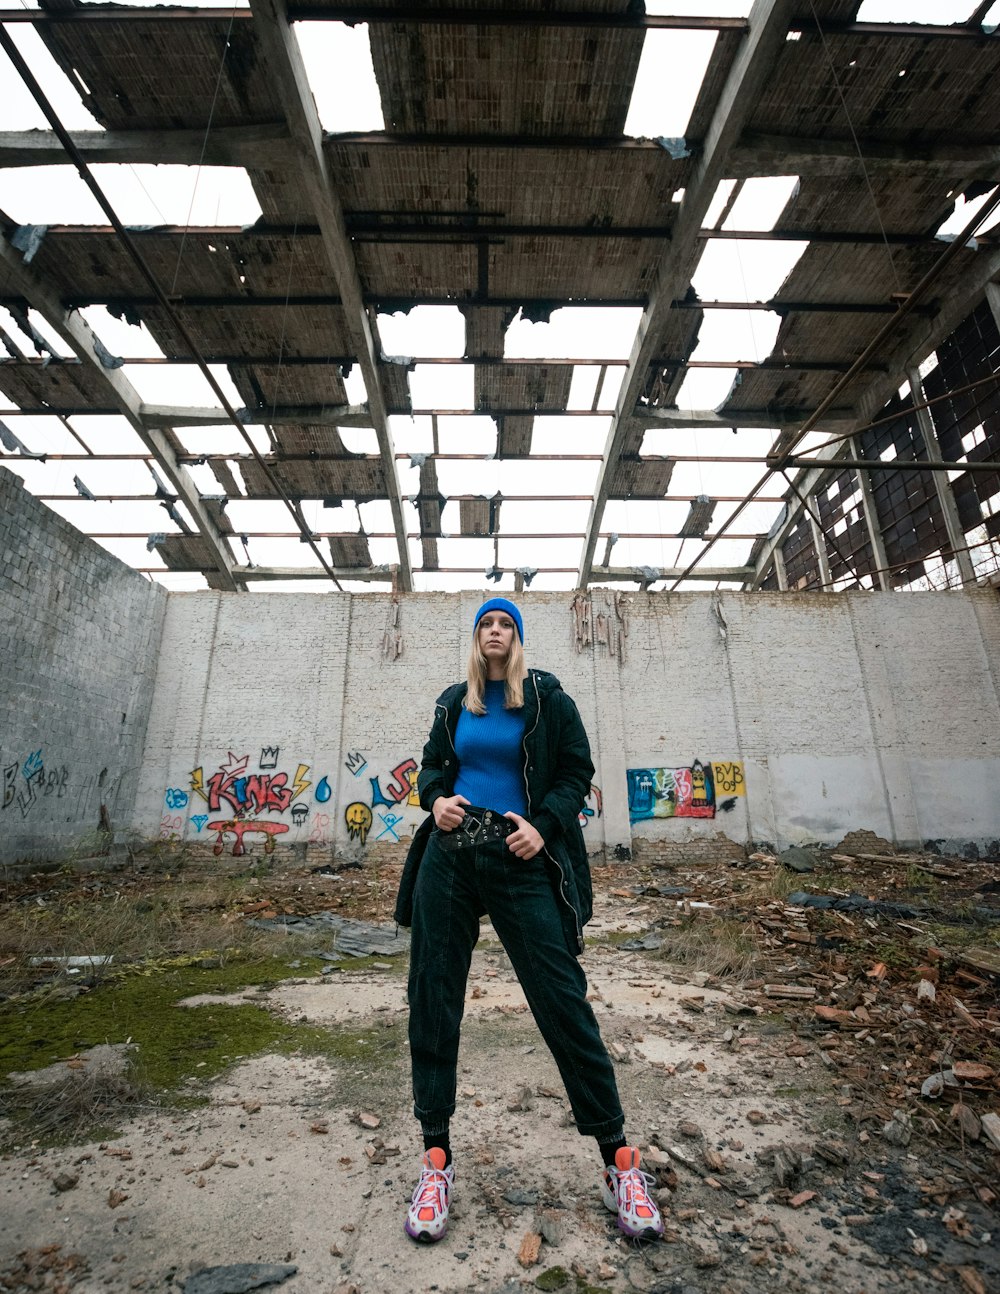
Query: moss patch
{"x": 175, "y": 1044}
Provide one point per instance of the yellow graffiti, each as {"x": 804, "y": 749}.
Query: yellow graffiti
{"x": 198, "y": 783}
{"x": 358, "y": 817}
{"x": 729, "y": 779}
{"x": 300, "y": 782}
{"x": 413, "y": 798}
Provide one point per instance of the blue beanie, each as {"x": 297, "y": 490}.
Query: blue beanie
{"x": 500, "y": 604}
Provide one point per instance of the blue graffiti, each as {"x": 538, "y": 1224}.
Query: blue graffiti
{"x": 199, "y": 820}
{"x": 32, "y": 765}
{"x": 392, "y": 821}
{"x": 378, "y": 795}
{"x": 175, "y": 797}
{"x": 641, "y": 793}
{"x": 323, "y": 791}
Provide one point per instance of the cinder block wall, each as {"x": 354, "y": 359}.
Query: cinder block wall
{"x": 277, "y": 720}
{"x": 79, "y": 634}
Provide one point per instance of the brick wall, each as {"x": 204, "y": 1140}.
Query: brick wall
{"x": 870, "y": 711}
{"x": 79, "y": 633}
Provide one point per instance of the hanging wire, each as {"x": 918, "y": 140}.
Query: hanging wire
{"x": 204, "y": 149}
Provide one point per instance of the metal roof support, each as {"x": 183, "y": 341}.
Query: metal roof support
{"x": 284, "y": 62}
{"x": 769, "y": 22}
{"x": 872, "y": 522}
{"x": 43, "y": 296}
{"x": 908, "y": 354}
{"x": 263, "y": 145}
{"x": 946, "y": 496}
{"x": 819, "y": 544}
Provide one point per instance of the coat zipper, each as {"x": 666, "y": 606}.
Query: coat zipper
{"x": 555, "y": 862}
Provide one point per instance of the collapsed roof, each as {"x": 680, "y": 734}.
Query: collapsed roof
{"x": 504, "y": 186}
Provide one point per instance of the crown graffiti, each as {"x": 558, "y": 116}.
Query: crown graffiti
{"x": 269, "y": 757}
{"x": 355, "y": 763}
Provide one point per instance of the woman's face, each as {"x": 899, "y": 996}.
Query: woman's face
{"x": 496, "y": 634}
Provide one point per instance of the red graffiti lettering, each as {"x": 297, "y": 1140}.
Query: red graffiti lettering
{"x": 401, "y": 773}
{"x": 264, "y": 792}
{"x": 240, "y": 828}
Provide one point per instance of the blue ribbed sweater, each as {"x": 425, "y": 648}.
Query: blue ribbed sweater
{"x": 491, "y": 756}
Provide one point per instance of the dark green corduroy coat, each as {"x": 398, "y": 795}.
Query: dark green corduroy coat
{"x": 557, "y": 774}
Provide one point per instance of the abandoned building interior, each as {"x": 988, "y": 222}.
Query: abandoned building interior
{"x": 683, "y": 327}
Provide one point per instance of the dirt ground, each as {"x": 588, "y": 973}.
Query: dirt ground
{"x": 767, "y": 1124}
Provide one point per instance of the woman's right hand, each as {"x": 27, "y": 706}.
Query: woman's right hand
{"x": 448, "y": 811}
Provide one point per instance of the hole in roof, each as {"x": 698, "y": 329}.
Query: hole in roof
{"x": 436, "y": 332}
{"x": 737, "y": 335}
{"x": 121, "y": 338}
{"x": 723, "y": 190}
{"x": 922, "y": 11}
{"x": 671, "y": 69}
{"x": 180, "y": 385}
{"x": 139, "y": 195}
{"x": 761, "y": 202}
{"x": 471, "y": 435}
{"x": 442, "y": 386}
{"x": 961, "y": 214}
{"x": 583, "y": 387}
{"x": 20, "y": 335}
{"x": 338, "y": 63}
{"x": 359, "y": 440}
{"x": 411, "y": 435}
{"x": 575, "y": 332}
{"x": 354, "y": 386}
{"x": 613, "y": 380}
{"x": 20, "y": 112}
{"x": 569, "y": 436}
{"x": 743, "y": 269}
{"x": 705, "y": 388}
{"x": 222, "y": 438}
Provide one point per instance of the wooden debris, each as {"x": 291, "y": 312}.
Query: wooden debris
{"x": 795, "y": 991}
{"x": 991, "y": 1126}
{"x": 527, "y": 1255}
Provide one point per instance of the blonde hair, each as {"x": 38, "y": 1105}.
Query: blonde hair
{"x": 514, "y": 675}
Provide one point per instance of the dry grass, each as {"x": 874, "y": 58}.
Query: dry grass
{"x": 720, "y": 946}
{"x": 129, "y": 918}
{"x": 83, "y": 1098}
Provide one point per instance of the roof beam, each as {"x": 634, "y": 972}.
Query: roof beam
{"x": 283, "y": 60}
{"x": 760, "y": 154}
{"x": 769, "y": 22}
{"x": 261, "y": 145}
{"x": 719, "y": 419}
{"x": 925, "y": 337}
{"x": 74, "y": 330}
{"x": 347, "y": 415}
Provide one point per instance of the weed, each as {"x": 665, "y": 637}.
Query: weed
{"x": 722, "y": 946}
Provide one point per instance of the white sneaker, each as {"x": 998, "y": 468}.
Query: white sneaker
{"x": 427, "y": 1216}
{"x": 625, "y": 1191}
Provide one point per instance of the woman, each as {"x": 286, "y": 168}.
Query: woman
{"x": 505, "y": 772}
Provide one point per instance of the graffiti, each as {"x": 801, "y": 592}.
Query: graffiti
{"x": 300, "y": 812}
{"x": 403, "y": 788}
{"x": 232, "y": 786}
{"x": 269, "y": 757}
{"x": 729, "y": 779}
{"x": 35, "y": 782}
{"x": 240, "y": 827}
{"x": 378, "y": 796}
{"x": 683, "y": 792}
{"x": 199, "y": 820}
{"x": 356, "y": 763}
{"x": 175, "y": 797}
{"x": 391, "y": 821}
{"x": 358, "y": 817}
{"x": 323, "y": 791}
{"x": 170, "y": 826}
{"x": 320, "y": 833}
{"x": 593, "y": 805}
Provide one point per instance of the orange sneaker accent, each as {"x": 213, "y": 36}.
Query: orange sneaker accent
{"x": 625, "y": 1189}
{"x": 427, "y": 1216}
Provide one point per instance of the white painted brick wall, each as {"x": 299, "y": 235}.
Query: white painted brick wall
{"x": 872, "y": 710}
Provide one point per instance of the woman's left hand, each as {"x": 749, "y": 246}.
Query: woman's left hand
{"x": 525, "y": 842}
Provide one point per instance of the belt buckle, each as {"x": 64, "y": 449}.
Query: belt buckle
{"x": 471, "y": 826}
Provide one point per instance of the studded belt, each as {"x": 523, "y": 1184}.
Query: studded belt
{"x": 478, "y": 827}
